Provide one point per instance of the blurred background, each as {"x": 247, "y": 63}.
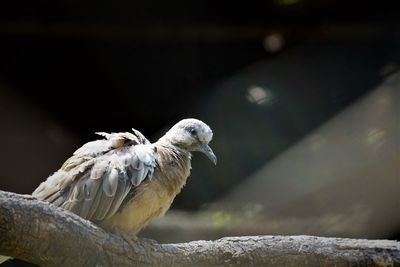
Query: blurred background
{"x": 302, "y": 95}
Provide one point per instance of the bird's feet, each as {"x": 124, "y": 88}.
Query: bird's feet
{"x": 148, "y": 241}
{"x": 131, "y": 239}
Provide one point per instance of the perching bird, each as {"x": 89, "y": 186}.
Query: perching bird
{"x": 123, "y": 181}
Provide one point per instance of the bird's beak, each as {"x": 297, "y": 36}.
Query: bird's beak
{"x": 206, "y": 149}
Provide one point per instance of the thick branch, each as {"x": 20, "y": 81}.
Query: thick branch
{"x": 37, "y": 232}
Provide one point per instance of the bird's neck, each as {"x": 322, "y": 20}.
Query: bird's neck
{"x": 173, "y": 163}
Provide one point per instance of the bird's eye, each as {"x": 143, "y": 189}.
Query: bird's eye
{"x": 193, "y": 131}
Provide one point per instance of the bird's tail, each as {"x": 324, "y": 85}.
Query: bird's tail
{"x": 4, "y": 258}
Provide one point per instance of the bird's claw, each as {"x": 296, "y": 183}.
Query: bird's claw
{"x": 148, "y": 240}
{"x": 128, "y": 238}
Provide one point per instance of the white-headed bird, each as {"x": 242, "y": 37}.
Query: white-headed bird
{"x": 123, "y": 181}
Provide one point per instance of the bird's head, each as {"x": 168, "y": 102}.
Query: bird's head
{"x": 192, "y": 135}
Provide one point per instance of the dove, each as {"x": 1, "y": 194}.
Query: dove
{"x": 122, "y": 182}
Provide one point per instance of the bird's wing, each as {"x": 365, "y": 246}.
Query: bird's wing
{"x": 97, "y": 178}
{"x": 100, "y": 147}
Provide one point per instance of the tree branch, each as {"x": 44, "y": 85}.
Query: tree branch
{"x": 40, "y": 233}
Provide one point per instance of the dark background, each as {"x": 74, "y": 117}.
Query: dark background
{"x": 72, "y": 68}
{"x": 146, "y": 64}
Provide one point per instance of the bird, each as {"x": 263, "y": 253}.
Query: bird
{"x": 122, "y": 181}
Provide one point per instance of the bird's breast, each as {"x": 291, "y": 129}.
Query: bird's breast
{"x": 152, "y": 198}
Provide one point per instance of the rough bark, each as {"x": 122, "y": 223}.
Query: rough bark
{"x": 40, "y": 233}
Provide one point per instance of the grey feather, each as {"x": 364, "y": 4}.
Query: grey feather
{"x": 103, "y": 207}
{"x": 99, "y": 169}
{"x": 93, "y": 148}
{"x": 135, "y": 176}
{"x": 92, "y": 206}
{"x": 135, "y": 163}
{"x": 124, "y": 186}
{"x": 140, "y": 136}
{"x": 110, "y": 182}
{"x": 95, "y": 181}
{"x": 91, "y": 188}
